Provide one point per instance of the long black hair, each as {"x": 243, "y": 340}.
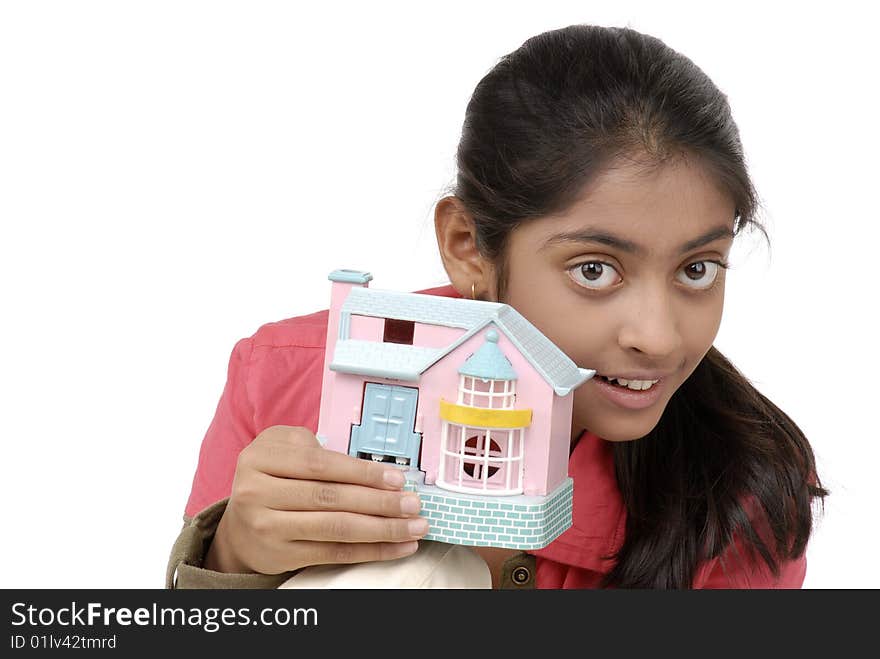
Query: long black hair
{"x": 540, "y": 126}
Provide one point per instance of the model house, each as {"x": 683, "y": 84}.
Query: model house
{"x": 467, "y": 396}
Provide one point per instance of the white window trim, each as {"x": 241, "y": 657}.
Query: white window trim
{"x": 452, "y": 446}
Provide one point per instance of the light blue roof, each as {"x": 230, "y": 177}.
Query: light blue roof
{"x": 557, "y": 369}
{"x": 418, "y": 307}
{"x": 387, "y": 360}
{"x": 489, "y": 362}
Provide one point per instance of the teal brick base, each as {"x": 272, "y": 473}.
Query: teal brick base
{"x": 514, "y": 522}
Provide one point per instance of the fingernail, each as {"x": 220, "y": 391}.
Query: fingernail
{"x": 406, "y": 548}
{"x": 410, "y": 505}
{"x": 418, "y": 527}
{"x": 394, "y": 478}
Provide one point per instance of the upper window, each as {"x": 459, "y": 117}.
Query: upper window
{"x": 399, "y": 331}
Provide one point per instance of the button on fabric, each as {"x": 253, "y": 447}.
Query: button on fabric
{"x": 521, "y": 575}
{"x": 518, "y": 572}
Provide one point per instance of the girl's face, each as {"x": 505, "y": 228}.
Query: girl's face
{"x": 627, "y": 282}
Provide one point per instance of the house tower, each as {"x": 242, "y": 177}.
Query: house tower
{"x": 482, "y": 436}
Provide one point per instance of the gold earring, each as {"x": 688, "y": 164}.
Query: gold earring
{"x": 473, "y": 290}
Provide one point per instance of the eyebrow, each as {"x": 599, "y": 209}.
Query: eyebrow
{"x": 590, "y": 235}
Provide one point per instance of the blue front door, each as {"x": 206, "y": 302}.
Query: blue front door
{"x": 387, "y": 422}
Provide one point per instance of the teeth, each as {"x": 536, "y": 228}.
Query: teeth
{"x": 635, "y": 385}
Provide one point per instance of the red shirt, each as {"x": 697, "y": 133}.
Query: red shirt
{"x": 275, "y": 378}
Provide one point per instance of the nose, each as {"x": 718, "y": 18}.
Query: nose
{"x": 652, "y": 327}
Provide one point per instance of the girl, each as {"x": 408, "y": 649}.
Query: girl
{"x": 600, "y": 185}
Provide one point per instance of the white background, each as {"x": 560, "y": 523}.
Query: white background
{"x": 175, "y": 174}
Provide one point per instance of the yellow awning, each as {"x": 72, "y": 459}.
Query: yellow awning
{"x": 479, "y": 417}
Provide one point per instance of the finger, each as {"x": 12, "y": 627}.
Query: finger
{"x": 287, "y": 459}
{"x": 289, "y": 494}
{"x": 345, "y": 527}
{"x": 322, "y": 553}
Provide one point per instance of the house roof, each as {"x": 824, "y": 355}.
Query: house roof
{"x": 387, "y": 360}
{"x": 408, "y": 362}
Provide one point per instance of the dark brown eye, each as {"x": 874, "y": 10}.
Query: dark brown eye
{"x": 592, "y": 271}
{"x": 594, "y": 274}
{"x": 698, "y": 269}
{"x": 702, "y": 273}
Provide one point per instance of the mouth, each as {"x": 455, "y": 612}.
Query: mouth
{"x": 632, "y": 385}
{"x": 627, "y": 397}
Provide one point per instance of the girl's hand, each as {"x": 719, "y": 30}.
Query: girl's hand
{"x": 295, "y": 503}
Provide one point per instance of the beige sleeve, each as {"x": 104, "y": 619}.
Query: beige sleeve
{"x": 185, "y": 569}
{"x": 434, "y": 565}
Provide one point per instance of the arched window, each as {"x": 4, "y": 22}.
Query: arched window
{"x": 484, "y": 459}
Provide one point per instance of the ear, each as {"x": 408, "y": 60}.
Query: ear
{"x": 456, "y": 240}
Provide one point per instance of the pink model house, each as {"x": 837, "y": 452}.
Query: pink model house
{"x": 466, "y": 396}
